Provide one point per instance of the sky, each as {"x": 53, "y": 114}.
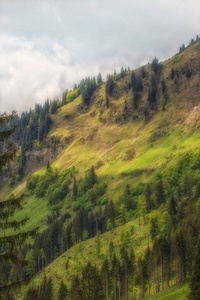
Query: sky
{"x": 47, "y": 46}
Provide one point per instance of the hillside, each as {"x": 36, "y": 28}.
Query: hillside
{"x": 104, "y": 156}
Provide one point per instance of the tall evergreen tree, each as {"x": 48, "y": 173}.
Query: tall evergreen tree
{"x": 8, "y": 243}
{"x": 155, "y": 65}
{"x": 99, "y": 78}
{"x": 91, "y": 286}
{"x": 62, "y": 292}
{"x": 195, "y": 279}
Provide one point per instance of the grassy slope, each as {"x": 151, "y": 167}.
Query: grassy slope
{"x": 79, "y": 254}
{"x": 175, "y": 293}
{"x": 117, "y": 148}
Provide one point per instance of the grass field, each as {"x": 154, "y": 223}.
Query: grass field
{"x": 179, "y": 292}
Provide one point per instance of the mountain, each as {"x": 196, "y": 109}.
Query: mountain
{"x": 115, "y": 182}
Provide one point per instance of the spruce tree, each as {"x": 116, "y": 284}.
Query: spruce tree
{"x": 75, "y": 189}
{"x": 62, "y": 292}
{"x": 8, "y": 242}
{"x": 195, "y": 280}
{"x": 155, "y": 65}
{"x": 99, "y": 78}
{"x": 91, "y": 286}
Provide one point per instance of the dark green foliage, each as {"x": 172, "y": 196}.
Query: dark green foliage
{"x": 41, "y": 292}
{"x": 22, "y": 160}
{"x": 75, "y": 189}
{"x": 8, "y": 243}
{"x": 31, "y": 126}
{"x": 122, "y": 73}
{"x": 182, "y": 48}
{"x": 192, "y": 42}
{"x": 46, "y": 289}
{"x": 109, "y": 85}
{"x": 136, "y": 97}
{"x": 172, "y": 75}
{"x": 195, "y": 279}
{"x": 148, "y": 198}
{"x": 48, "y": 165}
{"x": 159, "y": 193}
{"x": 53, "y": 107}
{"x": 10, "y": 152}
{"x": 155, "y": 65}
{"x": 153, "y": 228}
{"x": 91, "y": 286}
{"x": 127, "y": 198}
{"x": 143, "y": 73}
{"x": 152, "y": 93}
{"x": 87, "y": 183}
{"x": 99, "y": 78}
{"x": 139, "y": 86}
{"x": 64, "y": 95}
{"x": 133, "y": 81}
{"x": 32, "y": 181}
{"x": 62, "y": 292}
{"x": 57, "y": 192}
{"x": 87, "y": 86}
{"x": 172, "y": 206}
{"x": 45, "y": 181}
{"x": 32, "y": 294}
{"x": 188, "y": 73}
{"x": 163, "y": 86}
{"x": 75, "y": 285}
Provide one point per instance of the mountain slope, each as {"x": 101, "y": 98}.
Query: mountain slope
{"x": 129, "y": 137}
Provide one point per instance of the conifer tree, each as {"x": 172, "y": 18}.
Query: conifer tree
{"x": 109, "y": 85}
{"x": 195, "y": 280}
{"x": 75, "y": 189}
{"x": 99, "y": 78}
{"x": 62, "y": 292}
{"x": 143, "y": 72}
{"x": 172, "y": 74}
{"x": 133, "y": 81}
{"x": 8, "y": 243}
{"x": 155, "y": 65}
{"x": 148, "y": 198}
{"x": 91, "y": 286}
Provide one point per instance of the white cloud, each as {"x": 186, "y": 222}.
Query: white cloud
{"x": 30, "y": 73}
{"x": 47, "y": 46}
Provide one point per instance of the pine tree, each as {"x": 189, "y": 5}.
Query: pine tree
{"x": 62, "y": 292}
{"x": 8, "y": 243}
{"x": 195, "y": 280}
{"x": 155, "y": 65}
{"x": 133, "y": 81}
{"x": 75, "y": 189}
{"x": 122, "y": 73}
{"x": 148, "y": 198}
{"x": 172, "y": 74}
{"x": 143, "y": 72}
{"x": 99, "y": 78}
{"x": 109, "y": 85}
{"x": 91, "y": 286}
